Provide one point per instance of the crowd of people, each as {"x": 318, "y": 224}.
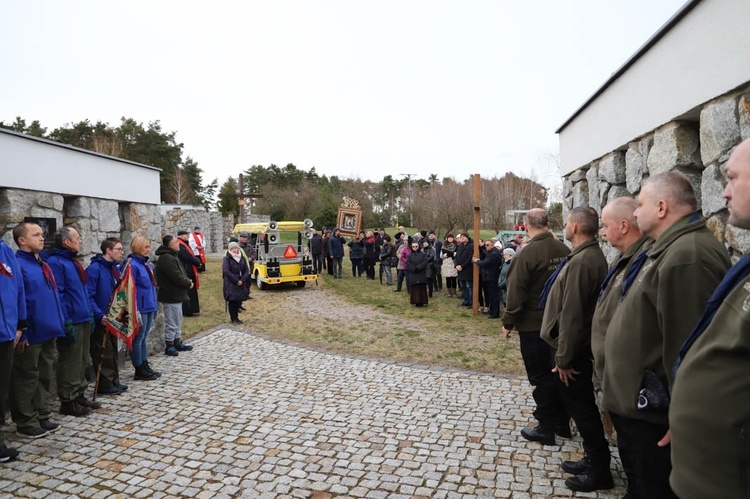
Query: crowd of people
{"x": 51, "y": 308}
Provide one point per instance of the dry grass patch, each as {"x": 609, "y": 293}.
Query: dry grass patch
{"x": 359, "y": 317}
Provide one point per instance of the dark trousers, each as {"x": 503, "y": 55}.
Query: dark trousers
{"x": 579, "y": 402}
{"x": 537, "y": 358}
{"x": 438, "y": 278}
{"x": 6, "y": 367}
{"x": 110, "y": 374}
{"x": 31, "y": 383}
{"x": 192, "y": 305}
{"x": 430, "y": 286}
{"x": 466, "y": 291}
{"x": 492, "y": 297}
{"x": 357, "y": 268}
{"x": 650, "y": 464}
{"x": 72, "y": 361}
{"x": 369, "y": 264}
{"x": 329, "y": 264}
{"x": 451, "y": 282}
{"x": 234, "y": 309}
{"x": 317, "y": 260}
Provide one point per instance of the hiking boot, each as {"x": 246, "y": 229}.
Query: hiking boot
{"x": 181, "y": 346}
{"x": 110, "y": 390}
{"x": 563, "y": 430}
{"x": 49, "y": 425}
{"x": 577, "y": 467}
{"x": 123, "y": 388}
{"x": 148, "y": 368}
{"x": 32, "y": 432}
{"x": 590, "y": 481}
{"x": 171, "y": 351}
{"x": 82, "y": 400}
{"x": 141, "y": 374}
{"x": 71, "y": 408}
{"x": 539, "y": 434}
{"x": 237, "y": 321}
{"x": 7, "y": 454}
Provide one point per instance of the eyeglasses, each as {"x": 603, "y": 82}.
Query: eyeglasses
{"x": 117, "y": 249}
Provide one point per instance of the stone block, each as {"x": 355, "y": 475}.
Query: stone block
{"x": 713, "y": 183}
{"x": 15, "y": 204}
{"x": 592, "y": 178}
{"x": 616, "y": 191}
{"x": 78, "y": 207}
{"x": 738, "y": 239}
{"x": 675, "y": 145}
{"x": 719, "y": 128}
{"x": 578, "y": 175}
{"x": 47, "y": 200}
{"x": 743, "y": 110}
{"x": 581, "y": 193}
{"x": 634, "y": 167}
{"x": 603, "y": 191}
{"x": 612, "y": 167}
{"x": 109, "y": 215}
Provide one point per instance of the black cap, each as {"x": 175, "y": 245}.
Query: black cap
{"x": 182, "y": 233}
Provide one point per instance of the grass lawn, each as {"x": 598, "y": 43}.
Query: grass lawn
{"x": 360, "y": 317}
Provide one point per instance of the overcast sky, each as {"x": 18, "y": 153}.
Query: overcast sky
{"x": 353, "y": 88}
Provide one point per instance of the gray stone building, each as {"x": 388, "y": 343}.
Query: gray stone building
{"x": 682, "y": 101}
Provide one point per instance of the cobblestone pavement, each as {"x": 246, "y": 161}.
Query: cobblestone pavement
{"x": 242, "y": 416}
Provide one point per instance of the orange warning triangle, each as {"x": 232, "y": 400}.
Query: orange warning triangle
{"x": 290, "y": 252}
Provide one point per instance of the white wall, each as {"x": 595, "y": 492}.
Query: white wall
{"x": 41, "y": 166}
{"x": 706, "y": 54}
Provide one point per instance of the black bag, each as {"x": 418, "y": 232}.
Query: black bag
{"x": 653, "y": 396}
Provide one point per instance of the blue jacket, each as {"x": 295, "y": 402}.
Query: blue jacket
{"x": 145, "y": 291}
{"x": 336, "y": 246}
{"x": 70, "y": 285}
{"x": 43, "y": 304}
{"x": 102, "y": 278}
{"x": 12, "y": 295}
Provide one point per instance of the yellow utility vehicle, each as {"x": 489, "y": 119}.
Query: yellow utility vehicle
{"x": 277, "y": 262}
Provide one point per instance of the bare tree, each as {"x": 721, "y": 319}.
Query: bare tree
{"x": 179, "y": 187}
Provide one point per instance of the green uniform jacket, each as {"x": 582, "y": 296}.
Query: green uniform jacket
{"x": 571, "y": 302}
{"x": 529, "y": 270}
{"x": 658, "y": 313}
{"x": 709, "y": 415}
{"x": 171, "y": 277}
{"x": 609, "y": 300}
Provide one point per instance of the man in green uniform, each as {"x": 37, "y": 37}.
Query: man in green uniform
{"x": 709, "y": 414}
{"x": 621, "y": 230}
{"x": 528, "y": 272}
{"x": 570, "y": 296}
{"x": 663, "y": 295}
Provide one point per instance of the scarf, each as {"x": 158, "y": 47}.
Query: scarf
{"x": 49, "y": 277}
{"x": 734, "y": 277}
{"x": 185, "y": 245}
{"x": 236, "y": 257}
{"x": 81, "y": 272}
{"x": 607, "y": 278}
{"x": 549, "y": 283}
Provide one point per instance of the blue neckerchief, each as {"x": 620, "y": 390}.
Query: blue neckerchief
{"x": 735, "y": 275}
{"x": 549, "y": 283}
{"x": 607, "y": 278}
{"x": 633, "y": 272}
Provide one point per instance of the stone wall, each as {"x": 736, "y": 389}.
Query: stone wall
{"x": 699, "y": 146}
{"x": 215, "y": 228}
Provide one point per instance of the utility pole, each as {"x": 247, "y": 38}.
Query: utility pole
{"x": 409, "y": 191}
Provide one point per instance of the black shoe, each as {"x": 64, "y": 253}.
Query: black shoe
{"x": 242, "y": 309}
{"x": 7, "y": 454}
{"x": 141, "y": 374}
{"x": 563, "y": 430}
{"x": 151, "y": 371}
{"x": 123, "y": 388}
{"x": 49, "y": 425}
{"x": 83, "y": 401}
{"x": 33, "y": 432}
{"x": 493, "y": 316}
{"x": 171, "y": 351}
{"x": 577, "y": 467}
{"x": 590, "y": 481}
{"x": 539, "y": 434}
{"x": 110, "y": 390}
{"x": 237, "y": 321}
{"x": 181, "y": 346}
{"x": 71, "y": 408}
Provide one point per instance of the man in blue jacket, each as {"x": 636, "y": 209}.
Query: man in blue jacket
{"x": 73, "y": 350}
{"x": 12, "y": 325}
{"x": 102, "y": 276}
{"x": 35, "y": 351}
{"x": 336, "y": 252}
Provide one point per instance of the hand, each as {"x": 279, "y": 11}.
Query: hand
{"x": 21, "y": 346}
{"x": 474, "y": 259}
{"x": 566, "y": 375}
{"x": 192, "y": 284}
{"x": 239, "y": 283}
{"x": 104, "y": 320}
{"x": 458, "y": 267}
{"x": 665, "y": 440}
{"x": 506, "y": 333}
{"x": 19, "y": 333}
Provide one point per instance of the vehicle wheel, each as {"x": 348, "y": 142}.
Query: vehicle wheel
{"x": 259, "y": 282}
{"x": 301, "y": 284}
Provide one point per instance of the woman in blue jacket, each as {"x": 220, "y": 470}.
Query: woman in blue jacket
{"x": 145, "y": 286}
